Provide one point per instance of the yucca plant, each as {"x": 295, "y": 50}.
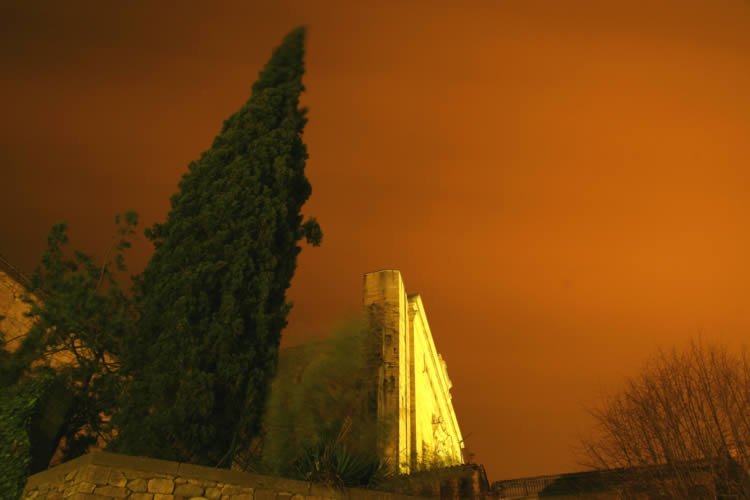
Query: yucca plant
{"x": 333, "y": 463}
{"x": 321, "y": 421}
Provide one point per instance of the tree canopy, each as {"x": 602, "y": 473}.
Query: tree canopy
{"x": 58, "y": 387}
{"x": 212, "y": 297}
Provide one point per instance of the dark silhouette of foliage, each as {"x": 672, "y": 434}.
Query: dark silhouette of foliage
{"x": 58, "y": 386}
{"x": 212, "y": 297}
{"x": 79, "y": 327}
{"x": 19, "y": 404}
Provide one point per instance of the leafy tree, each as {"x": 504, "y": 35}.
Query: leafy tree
{"x": 58, "y": 386}
{"x": 79, "y": 326}
{"x": 680, "y": 428}
{"x": 212, "y": 297}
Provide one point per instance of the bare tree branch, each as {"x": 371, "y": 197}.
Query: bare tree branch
{"x": 682, "y": 427}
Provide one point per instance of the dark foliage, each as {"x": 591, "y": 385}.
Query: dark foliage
{"x": 79, "y": 328}
{"x": 20, "y": 403}
{"x": 212, "y": 298}
{"x": 59, "y": 385}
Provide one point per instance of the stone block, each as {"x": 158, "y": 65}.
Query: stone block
{"x": 117, "y": 478}
{"x": 226, "y": 476}
{"x": 190, "y": 490}
{"x": 160, "y": 485}
{"x": 235, "y": 490}
{"x": 112, "y": 491}
{"x": 154, "y": 466}
{"x": 94, "y": 474}
{"x": 201, "y": 482}
{"x": 137, "y": 485}
{"x": 85, "y": 487}
{"x": 89, "y": 496}
{"x": 241, "y": 497}
{"x": 159, "y": 496}
{"x": 265, "y": 495}
{"x": 141, "y": 496}
{"x": 213, "y": 493}
{"x": 136, "y": 474}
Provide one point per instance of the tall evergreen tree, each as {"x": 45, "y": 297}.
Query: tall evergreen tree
{"x": 212, "y": 298}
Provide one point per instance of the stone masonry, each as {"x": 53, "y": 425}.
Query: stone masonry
{"x": 14, "y": 322}
{"x": 413, "y": 386}
{"x": 100, "y": 476}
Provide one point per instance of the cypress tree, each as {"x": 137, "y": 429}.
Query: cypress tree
{"x": 212, "y": 297}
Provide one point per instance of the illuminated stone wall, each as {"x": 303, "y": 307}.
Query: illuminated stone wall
{"x": 101, "y": 476}
{"x": 437, "y": 437}
{"x": 14, "y": 324}
{"x": 414, "y": 397}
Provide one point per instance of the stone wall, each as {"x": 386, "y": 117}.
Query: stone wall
{"x": 13, "y": 309}
{"x": 413, "y": 386}
{"x": 436, "y": 436}
{"x": 100, "y": 475}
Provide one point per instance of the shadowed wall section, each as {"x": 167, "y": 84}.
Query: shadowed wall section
{"x": 413, "y": 386}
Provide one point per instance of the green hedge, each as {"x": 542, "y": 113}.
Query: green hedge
{"x": 19, "y": 404}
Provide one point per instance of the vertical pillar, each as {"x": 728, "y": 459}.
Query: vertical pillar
{"x": 412, "y": 308}
{"x": 386, "y": 303}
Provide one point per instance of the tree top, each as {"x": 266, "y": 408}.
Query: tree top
{"x": 286, "y": 63}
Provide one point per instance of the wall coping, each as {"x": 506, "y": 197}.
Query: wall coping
{"x": 152, "y": 465}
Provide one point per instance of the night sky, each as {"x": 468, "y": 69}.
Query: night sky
{"x": 565, "y": 182}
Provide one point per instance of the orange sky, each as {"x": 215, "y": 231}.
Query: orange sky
{"x": 565, "y": 183}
